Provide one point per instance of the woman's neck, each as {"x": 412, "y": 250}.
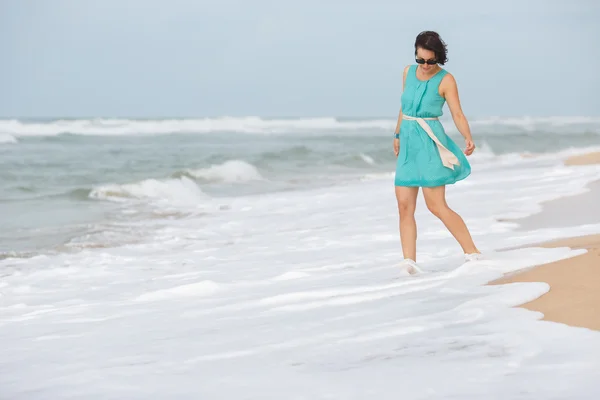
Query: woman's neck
{"x": 430, "y": 73}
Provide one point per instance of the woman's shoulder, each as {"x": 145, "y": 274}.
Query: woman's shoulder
{"x": 407, "y": 70}
{"x": 405, "y": 74}
{"x": 447, "y": 77}
{"x": 447, "y": 83}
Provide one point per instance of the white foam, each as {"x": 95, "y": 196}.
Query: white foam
{"x": 299, "y": 293}
{"x": 182, "y": 191}
{"x": 201, "y": 125}
{"x": 368, "y": 159}
{"x": 251, "y": 124}
{"x": 530, "y": 123}
{"x": 203, "y": 288}
{"x": 229, "y": 171}
{"x": 483, "y": 152}
{"x": 7, "y": 139}
{"x": 291, "y": 275}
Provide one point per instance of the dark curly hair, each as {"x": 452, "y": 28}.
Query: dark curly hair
{"x": 431, "y": 41}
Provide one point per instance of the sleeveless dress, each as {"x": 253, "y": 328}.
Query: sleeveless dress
{"x": 419, "y": 161}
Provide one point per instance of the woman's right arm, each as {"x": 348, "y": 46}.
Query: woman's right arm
{"x": 399, "y": 122}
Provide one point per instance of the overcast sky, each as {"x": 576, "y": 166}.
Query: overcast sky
{"x": 196, "y": 58}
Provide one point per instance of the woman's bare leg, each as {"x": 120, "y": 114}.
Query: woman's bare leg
{"x": 407, "y": 204}
{"x": 435, "y": 198}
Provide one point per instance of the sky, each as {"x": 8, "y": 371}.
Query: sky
{"x": 291, "y": 58}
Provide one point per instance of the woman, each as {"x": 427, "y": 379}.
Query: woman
{"x": 426, "y": 156}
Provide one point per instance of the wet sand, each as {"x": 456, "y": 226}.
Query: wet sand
{"x": 574, "y": 296}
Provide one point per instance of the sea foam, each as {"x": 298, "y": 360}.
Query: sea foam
{"x": 257, "y": 125}
{"x": 299, "y": 294}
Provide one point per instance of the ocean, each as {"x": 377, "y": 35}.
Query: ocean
{"x": 68, "y": 184}
{"x": 253, "y": 257}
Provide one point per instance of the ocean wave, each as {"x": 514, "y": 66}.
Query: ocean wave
{"x": 367, "y": 158}
{"x": 6, "y": 138}
{"x": 228, "y": 172}
{"x": 12, "y": 129}
{"x": 181, "y": 191}
{"x": 531, "y": 123}
{"x": 484, "y": 151}
{"x": 204, "y": 125}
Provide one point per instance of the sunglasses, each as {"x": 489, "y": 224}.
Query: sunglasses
{"x": 428, "y": 62}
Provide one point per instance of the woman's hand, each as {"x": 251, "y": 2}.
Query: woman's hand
{"x": 396, "y": 146}
{"x": 470, "y": 147}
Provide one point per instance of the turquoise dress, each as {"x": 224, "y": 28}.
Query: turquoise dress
{"x": 419, "y": 163}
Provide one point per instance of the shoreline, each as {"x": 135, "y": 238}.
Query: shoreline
{"x": 574, "y": 295}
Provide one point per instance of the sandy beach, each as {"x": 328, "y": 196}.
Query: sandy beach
{"x": 584, "y": 159}
{"x": 574, "y": 296}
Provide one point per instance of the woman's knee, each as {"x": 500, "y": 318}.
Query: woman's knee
{"x": 437, "y": 208}
{"x": 407, "y": 201}
{"x": 406, "y": 208}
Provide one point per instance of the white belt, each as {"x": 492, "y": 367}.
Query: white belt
{"x": 449, "y": 160}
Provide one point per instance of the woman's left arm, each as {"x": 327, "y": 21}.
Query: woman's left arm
{"x": 449, "y": 90}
